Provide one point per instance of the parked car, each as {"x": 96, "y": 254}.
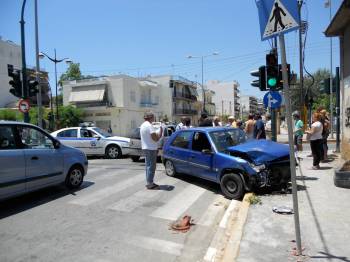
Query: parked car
{"x": 136, "y": 153}
{"x": 94, "y": 141}
{"x": 223, "y": 155}
{"x": 31, "y": 159}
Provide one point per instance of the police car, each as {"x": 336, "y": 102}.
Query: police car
{"x": 93, "y": 141}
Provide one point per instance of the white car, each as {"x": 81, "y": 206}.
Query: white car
{"x": 93, "y": 141}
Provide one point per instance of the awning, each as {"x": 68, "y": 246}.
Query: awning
{"x": 95, "y": 95}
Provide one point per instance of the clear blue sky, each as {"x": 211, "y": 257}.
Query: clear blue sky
{"x": 140, "y": 37}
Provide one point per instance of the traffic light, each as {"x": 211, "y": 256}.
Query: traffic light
{"x": 280, "y": 77}
{"x": 16, "y": 82}
{"x": 261, "y": 82}
{"x": 32, "y": 87}
{"x": 272, "y": 71}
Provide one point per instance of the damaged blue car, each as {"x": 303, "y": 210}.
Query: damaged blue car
{"x": 224, "y": 156}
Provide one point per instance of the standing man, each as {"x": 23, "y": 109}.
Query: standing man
{"x": 182, "y": 124}
{"x": 259, "y": 128}
{"x": 298, "y": 131}
{"x": 249, "y": 126}
{"x": 149, "y": 142}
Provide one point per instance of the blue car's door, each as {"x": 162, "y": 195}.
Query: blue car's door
{"x": 12, "y": 164}
{"x": 44, "y": 163}
{"x": 201, "y": 158}
{"x": 179, "y": 151}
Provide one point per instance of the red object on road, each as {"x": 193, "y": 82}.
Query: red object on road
{"x": 24, "y": 105}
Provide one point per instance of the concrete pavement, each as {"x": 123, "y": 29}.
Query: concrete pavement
{"x": 324, "y": 217}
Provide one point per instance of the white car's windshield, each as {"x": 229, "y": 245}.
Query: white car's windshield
{"x": 227, "y": 138}
{"x": 101, "y": 132}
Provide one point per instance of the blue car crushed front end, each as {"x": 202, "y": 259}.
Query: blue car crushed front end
{"x": 269, "y": 163}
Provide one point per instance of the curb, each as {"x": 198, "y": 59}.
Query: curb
{"x": 225, "y": 245}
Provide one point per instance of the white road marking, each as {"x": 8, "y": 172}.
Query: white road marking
{"x": 208, "y": 218}
{"x": 141, "y": 197}
{"x": 231, "y": 207}
{"x": 107, "y": 191}
{"x": 179, "y": 203}
{"x": 210, "y": 255}
{"x": 155, "y": 244}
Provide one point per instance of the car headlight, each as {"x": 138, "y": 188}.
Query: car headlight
{"x": 257, "y": 168}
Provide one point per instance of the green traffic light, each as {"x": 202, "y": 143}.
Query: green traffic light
{"x": 272, "y": 82}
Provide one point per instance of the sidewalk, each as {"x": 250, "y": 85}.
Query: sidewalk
{"x": 324, "y": 212}
{"x": 283, "y": 137}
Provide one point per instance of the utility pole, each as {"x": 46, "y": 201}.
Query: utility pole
{"x": 24, "y": 66}
{"x": 301, "y": 70}
{"x": 39, "y": 98}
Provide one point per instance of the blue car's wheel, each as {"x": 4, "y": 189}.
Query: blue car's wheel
{"x": 169, "y": 168}
{"x": 232, "y": 186}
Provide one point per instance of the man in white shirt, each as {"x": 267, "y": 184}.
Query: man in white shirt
{"x": 149, "y": 143}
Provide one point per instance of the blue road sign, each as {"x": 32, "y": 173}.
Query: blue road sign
{"x": 277, "y": 17}
{"x": 272, "y": 99}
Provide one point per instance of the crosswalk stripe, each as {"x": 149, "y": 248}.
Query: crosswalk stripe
{"x": 106, "y": 174}
{"x": 158, "y": 245}
{"x": 141, "y": 197}
{"x": 210, "y": 215}
{"x": 107, "y": 191}
{"x": 179, "y": 203}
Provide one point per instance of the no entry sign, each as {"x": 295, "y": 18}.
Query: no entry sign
{"x": 23, "y": 106}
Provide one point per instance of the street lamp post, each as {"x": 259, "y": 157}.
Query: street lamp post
{"x": 202, "y": 61}
{"x": 55, "y": 60}
{"x": 328, "y": 4}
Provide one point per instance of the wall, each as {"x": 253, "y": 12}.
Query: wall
{"x": 345, "y": 108}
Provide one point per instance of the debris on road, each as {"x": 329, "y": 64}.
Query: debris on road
{"x": 182, "y": 225}
{"x": 283, "y": 210}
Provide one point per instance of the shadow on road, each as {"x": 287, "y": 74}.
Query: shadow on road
{"x": 328, "y": 256}
{"x": 208, "y": 185}
{"x": 22, "y": 203}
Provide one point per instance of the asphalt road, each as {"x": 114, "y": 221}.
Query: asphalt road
{"x": 112, "y": 218}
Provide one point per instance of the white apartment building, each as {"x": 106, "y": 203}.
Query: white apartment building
{"x": 227, "y": 97}
{"x": 120, "y": 101}
{"x": 10, "y": 53}
{"x": 179, "y": 98}
{"x": 116, "y": 101}
{"x": 249, "y": 105}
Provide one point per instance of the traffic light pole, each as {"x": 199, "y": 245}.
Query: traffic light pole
{"x": 24, "y": 66}
{"x": 301, "y": 71}
{"x": 291, "y": 144}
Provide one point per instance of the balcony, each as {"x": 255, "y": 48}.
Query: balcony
{"x": 185, "y": 96}
{"x": 183, "y": 111}
{"x": 148, "y": 104}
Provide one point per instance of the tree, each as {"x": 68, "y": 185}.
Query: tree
{"x": 311, "y": 90}
{"x": 73, "y": 73}
{"x": 70, "y": 116}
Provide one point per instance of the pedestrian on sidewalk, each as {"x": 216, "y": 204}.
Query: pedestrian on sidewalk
{"x": 316, "y": 140}
{"x": 182, "y": 124}
{"x": 249, "y": 126}
{"x": 231, "y": 122}
{"x": 298, "y": 131}
{"x": 216, "y": 121}
{"x": 149, "y": 143}
{"x": 268, "y": 127}
{"x": 259, "y": 128}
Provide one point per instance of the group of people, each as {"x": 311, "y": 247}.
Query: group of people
{"x": 318, "y": 134}
{"x": 254, "y": 127}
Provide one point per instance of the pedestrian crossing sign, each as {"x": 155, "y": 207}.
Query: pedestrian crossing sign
{"x": 277, "y": 17}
